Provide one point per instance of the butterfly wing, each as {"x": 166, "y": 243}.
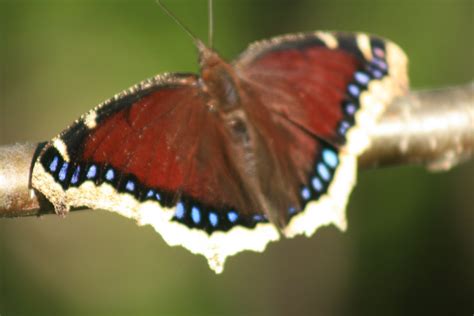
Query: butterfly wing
{"x": 157, "y": 154}
{"x": 313, "y": 97}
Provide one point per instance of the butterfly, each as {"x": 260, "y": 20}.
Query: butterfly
{"x": 237, "y": 156}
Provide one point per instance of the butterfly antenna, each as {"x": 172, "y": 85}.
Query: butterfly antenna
{"x": 211, "y": 24}
{"x": 185, "y": 29}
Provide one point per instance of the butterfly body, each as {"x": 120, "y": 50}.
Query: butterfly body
{"x": 224, "y": 161}
{"x": 227, "y": 96}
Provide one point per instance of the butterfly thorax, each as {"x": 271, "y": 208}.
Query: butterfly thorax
{"x": 219, "y": 81}
{"x": 222, "y": 87}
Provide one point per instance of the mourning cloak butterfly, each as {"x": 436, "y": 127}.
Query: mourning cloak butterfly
{"x": 229, "y": 160}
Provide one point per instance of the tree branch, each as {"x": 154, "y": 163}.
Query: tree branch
{"x": 431, "y": 128}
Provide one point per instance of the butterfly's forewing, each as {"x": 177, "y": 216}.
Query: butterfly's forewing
{"x": 313, "y": 96}
{"x": 157, "y": 154}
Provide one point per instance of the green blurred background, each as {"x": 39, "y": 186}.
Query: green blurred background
{"x": 409, "y": 247}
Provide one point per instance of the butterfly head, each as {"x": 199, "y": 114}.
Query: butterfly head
{"x": 219, "y": 79}
{"x": 207, "y": 56}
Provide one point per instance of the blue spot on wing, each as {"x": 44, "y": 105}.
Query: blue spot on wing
{"x": 305, "y": 193}
{"x": 75, "y": 175}
{"x": 150, "y": 193}
{"x": 380, "y": 63}
{"x": 92, "y": 172}
{"x": 63, "y": 172}
{"x": 362, "y": 77}
{"x": 324, "y": 172}
{"x": 53, "y": 166}
{"x": 232, "y": 216}
{"x": 353, "y": 90}
{"x": 195, "y": 215}
{"x": 376, "y": 72}
{"x": 130, "y": 186}
{"x": 317, "y": 184}
{"x": 330, "y": 158}
{"x": 179, "y": 213}
{"x": 110, "y": 174}
{"x": 343, "y": 127}
{"x": 350, "y": 108}
{"x": 213, "y": 219}
{"x": 259, "y": 218}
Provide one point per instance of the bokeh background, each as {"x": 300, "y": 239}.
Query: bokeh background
{"x": 409, "y": 246}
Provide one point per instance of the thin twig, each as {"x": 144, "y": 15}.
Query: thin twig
{"x": 431, "y": 128}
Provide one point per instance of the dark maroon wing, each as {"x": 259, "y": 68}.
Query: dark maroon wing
{"x": 312, "y": 96}
{"x": 317, "y": 80}
{"x": 157, "y": 154}
{"x": 156, "y": 142}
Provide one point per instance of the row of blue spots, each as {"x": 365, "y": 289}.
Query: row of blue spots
{"x": 110, "y": 175}
{"x": 361, "y": 79}
{"x": 354, "y": 89}
{"x": 62, "y": 174}
{"x": 63, "y": 171}
{"x": 232, "y": 216}
{"x": 317, "y": 186}
{"x": 196, "y": 215}
{"x": 92, "y": 171}
{"x": 329, "y": 161}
